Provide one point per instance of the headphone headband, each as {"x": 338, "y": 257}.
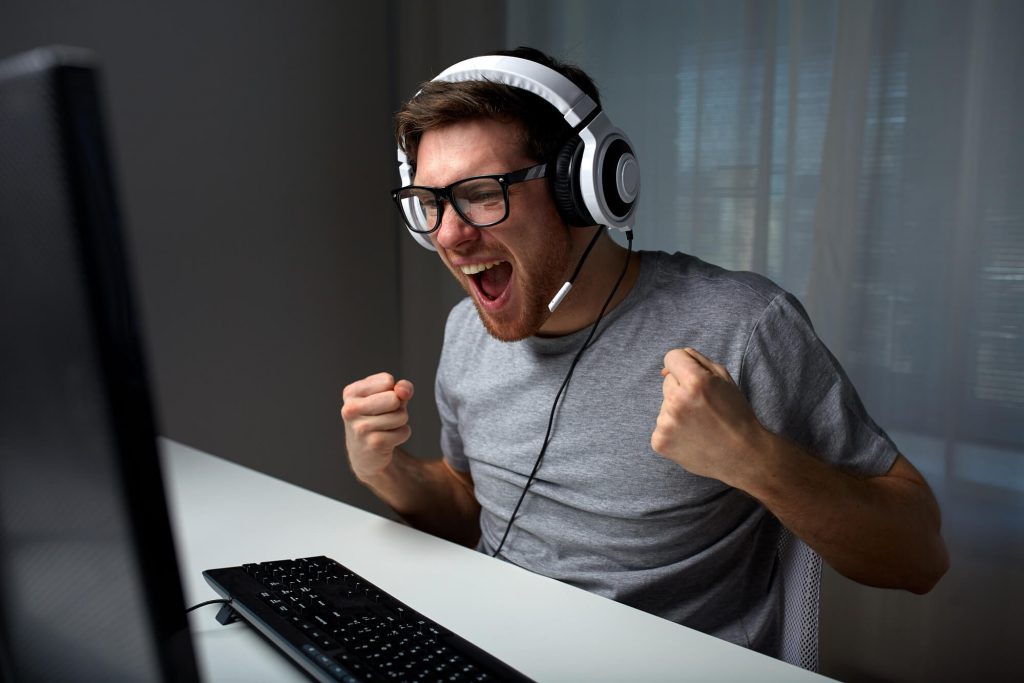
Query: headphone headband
{"x": 572, "y": 103}
{"x": 597, "y": 178}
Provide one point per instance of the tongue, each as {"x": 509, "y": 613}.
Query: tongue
{"x": 494, "y": 280}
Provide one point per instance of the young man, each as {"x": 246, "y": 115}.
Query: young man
{"x": 704, "y": 413}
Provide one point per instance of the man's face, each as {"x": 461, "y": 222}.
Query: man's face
{"x": 513, "y": 269}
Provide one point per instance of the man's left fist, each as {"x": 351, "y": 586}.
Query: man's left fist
{"x": 706, "y": 424}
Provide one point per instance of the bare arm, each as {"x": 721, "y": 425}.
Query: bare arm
{"x": 881, "y": 531}
{"x": 428, "y": 494}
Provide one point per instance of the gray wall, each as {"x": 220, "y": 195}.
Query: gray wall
{"x": 253, "y": 149}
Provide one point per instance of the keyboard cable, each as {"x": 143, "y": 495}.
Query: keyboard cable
{"x": 208, "y": 602}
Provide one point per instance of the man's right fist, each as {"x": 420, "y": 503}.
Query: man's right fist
{"x": 376, "y": 421}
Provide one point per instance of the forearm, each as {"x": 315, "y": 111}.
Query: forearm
{"x": 429, "y": 496}
{"x": 881, "y": 531}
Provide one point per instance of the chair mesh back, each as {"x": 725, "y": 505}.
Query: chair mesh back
{"x": 801, "y": 584}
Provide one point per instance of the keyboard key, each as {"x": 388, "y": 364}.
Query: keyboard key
{"x": 322, "y": 639}
{"x": 338, "y": 673}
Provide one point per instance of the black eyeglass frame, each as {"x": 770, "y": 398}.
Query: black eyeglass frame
{"x": 443, "y": 195}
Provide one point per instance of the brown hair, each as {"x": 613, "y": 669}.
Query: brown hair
{"x": 541, "y": 126}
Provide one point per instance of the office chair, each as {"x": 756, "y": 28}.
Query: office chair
{"x": 801, "y": 587}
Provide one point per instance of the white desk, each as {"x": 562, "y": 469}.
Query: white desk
{"x": 225, "y": 515}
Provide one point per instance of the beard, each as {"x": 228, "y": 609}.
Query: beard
{"x": 537, "y": 279}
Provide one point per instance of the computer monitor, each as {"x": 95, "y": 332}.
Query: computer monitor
{"x": 89, "y": 583}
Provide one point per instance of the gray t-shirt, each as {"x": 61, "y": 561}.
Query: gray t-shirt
{"x": 605, "y": 512}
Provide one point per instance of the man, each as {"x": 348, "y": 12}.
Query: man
{"x": 704, "y": 413}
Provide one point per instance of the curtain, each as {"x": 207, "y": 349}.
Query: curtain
{"x": 869, "y": 157}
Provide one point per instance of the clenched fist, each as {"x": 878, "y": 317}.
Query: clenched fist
{"x": 706, "y": 424}
{"x": 376, "y": 421}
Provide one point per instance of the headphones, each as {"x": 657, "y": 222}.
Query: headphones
{"x": 595, "y": 179}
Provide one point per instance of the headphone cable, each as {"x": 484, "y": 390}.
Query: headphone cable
{"x": 568, "y": 376}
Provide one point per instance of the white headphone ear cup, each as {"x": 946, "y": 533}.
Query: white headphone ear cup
{"x": 423, "y": 240}
{"x": 609, "y": 177}
{"x": 405, "y": 173}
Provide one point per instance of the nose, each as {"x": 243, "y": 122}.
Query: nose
{"x": 454, "y": 232}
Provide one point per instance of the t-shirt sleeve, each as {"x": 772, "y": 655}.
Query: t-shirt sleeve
{"x": 798, "y": 390}
{"x": 451, "y": 441}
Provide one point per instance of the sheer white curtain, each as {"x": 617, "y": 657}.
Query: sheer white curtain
{"x": 869, "y": 157}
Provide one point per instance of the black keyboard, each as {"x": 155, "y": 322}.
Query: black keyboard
{"x": 338, "y": 626}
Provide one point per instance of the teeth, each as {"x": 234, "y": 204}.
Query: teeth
{"x": 477, "y": 267}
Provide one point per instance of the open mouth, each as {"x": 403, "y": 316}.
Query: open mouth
{"x": 491, "y": 280}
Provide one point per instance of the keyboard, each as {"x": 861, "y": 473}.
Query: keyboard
{"x": 338, "y": 626}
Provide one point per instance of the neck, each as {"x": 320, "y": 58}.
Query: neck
{"x": 602, "y": 268}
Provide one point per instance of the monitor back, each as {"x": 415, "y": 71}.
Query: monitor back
{"x": 89, "y": 584}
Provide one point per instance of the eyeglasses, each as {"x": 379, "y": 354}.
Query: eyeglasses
{"x": 481, "y": 201}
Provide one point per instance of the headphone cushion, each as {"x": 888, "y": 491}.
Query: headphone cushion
{"x": 565, "y": 185}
